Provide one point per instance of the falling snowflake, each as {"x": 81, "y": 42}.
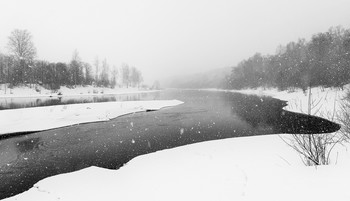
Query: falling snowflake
{"x": 182, "y": 130}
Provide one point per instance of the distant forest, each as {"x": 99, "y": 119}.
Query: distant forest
{"x": 20, "y": 66}
{"x": 322, "y": 61}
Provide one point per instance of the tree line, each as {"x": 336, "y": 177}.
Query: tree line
{"x": 322, "y": 61}
{"x": 19, "y": 66}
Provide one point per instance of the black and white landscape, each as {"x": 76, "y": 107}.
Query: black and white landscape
{"x": 174, "y": 100}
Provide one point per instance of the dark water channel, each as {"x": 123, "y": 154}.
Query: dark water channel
{"x": 26, "y": 159}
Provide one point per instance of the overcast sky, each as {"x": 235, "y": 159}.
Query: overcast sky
{"x": 167, "y": 37}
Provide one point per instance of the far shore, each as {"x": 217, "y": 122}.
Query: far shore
{"x": 39, "y": 91}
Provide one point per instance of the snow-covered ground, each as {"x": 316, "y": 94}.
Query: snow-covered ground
{"x": 247, "y": 168}
{"x": 325, "y": 102}
{"x": 44, "y": 118}
{"x": 38, "y": 91}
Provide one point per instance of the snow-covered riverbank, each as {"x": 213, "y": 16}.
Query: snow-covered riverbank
{"x": 44, "y": 118}
{"x": 38, "y": 91}
{"x": 246, "y": 168}
{"x": 325, "y": 102}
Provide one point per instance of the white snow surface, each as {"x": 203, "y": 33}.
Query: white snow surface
{"x": 247, "y": 168}
{"x": 44, "y": 118}
{"x": 241, "y": 169}
{"x": 39, "y": 91}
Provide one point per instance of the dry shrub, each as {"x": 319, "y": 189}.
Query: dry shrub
{"x": 316, "y": 149}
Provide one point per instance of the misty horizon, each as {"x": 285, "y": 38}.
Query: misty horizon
{"x": 167, "y": 38}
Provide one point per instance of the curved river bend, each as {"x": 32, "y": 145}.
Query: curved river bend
{"x": 26, "y": 159}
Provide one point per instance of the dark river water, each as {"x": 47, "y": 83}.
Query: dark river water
{"x": 26, "y": 159}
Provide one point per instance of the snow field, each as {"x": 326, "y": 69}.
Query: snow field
{"x": 44, "y": 118}
{"x": 247, "y": 168}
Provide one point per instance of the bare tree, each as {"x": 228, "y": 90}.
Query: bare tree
{"x": 88, "y": 73}
{"x": 126, "y": 74}
{"x": 97, "y": 64}
{"x": 135, "y": 76}
{"x": 104, "y": 77}
{"x": 344, "y": 117}
{"x": 76, "y": 69}
{"x": 21, "y": 46}
{"x": 2, "y": 68}
{"x": 114, "y": 76}
{"x": 156, "y": 85}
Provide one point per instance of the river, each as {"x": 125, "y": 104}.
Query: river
{"x": 26, "y": 159}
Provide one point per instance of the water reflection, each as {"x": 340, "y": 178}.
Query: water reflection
{"x": 14, "y": 103}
